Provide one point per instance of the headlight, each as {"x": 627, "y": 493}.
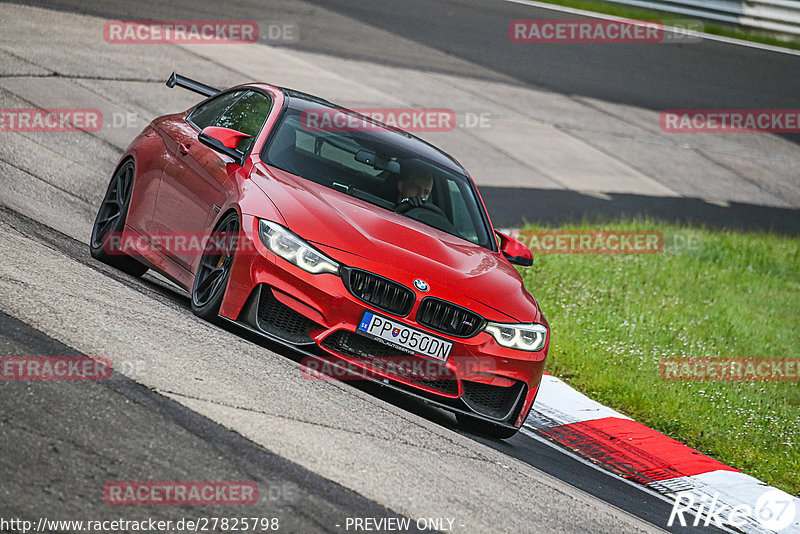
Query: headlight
{"x": 294, "y": 249}
{"x": 530, "y": 337}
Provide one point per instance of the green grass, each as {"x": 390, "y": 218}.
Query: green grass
{"x": 736, "y": 32}
{"x": 613, "y": 317}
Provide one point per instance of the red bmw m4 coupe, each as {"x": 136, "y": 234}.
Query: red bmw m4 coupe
{"x": 364, "y": 247}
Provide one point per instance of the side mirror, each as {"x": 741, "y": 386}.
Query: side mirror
{"x": 514, "y": 251}
{"x": 224, "y": 141}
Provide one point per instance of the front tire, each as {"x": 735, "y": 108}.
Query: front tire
{"x": 214, "y": 270}
{"x": 110, "y": 222}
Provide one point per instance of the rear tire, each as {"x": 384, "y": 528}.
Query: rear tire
{"x": 110, "y": 221}
{"x": 214, "y": 270}
{"x": 474, "y": 425}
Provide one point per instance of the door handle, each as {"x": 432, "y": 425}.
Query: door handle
{"x": 184, "y": 149}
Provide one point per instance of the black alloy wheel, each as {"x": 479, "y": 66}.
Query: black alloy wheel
{"x": 215, "y": 268}
{"x": 106, "y": 241}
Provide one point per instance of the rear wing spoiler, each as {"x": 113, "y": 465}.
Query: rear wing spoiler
{"x": 192, "y": 85}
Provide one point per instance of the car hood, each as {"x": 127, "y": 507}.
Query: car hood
{"x": 326, "y": 217}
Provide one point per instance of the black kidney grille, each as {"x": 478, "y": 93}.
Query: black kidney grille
{"x": 448, "y": 318}
{"x": 380, "y": 292}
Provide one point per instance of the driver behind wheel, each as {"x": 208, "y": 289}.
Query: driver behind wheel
{"x": 415, "y": 187}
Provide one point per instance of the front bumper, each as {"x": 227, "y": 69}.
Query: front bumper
{"x": 319, "y": 315}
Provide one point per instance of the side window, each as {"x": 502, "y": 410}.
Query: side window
{"x": 247, "y": 115}
{"x": 206, "y": 114}
{"x": 244, "y": 111}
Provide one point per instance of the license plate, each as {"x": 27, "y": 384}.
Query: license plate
{"x": 405, "y": 338}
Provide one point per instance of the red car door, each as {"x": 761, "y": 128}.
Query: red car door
{"x": 193, "y": 188}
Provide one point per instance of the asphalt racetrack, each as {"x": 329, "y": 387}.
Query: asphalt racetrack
{"x": 192, "y": 401}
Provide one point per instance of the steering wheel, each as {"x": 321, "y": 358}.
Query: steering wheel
{"x": 430, "y": 214}
{"x": 409, "y": 204}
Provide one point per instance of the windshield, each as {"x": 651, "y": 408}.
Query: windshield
{"x": 389, "y": 169}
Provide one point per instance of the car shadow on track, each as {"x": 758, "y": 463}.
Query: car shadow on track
{"x": 370, "y": 387}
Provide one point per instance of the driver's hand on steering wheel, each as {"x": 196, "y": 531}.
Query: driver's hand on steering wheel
{"x": 414, "y": 201}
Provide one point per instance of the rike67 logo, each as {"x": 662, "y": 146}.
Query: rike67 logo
{"x": 774, "y": 510}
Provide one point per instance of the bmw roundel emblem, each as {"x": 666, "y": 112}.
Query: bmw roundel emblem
{"x": 421, "y": 285}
